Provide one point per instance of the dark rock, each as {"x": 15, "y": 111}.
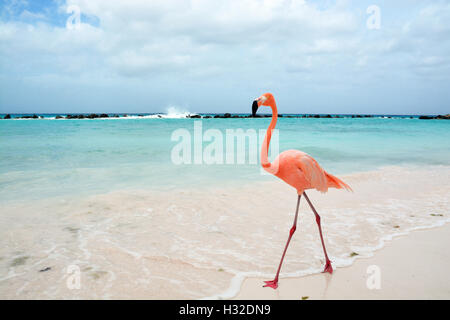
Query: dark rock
{"x": 227, "y": 115}
{"x": 35, "y": 116}
{"x": 208, "y": 117}
{"x": 104, "y": 115}
{"x": 75, "y": 116}
{"x": 45, "y": 269}
{"x": 59, "y": 117}
{"x": 195, "y": 116}
{"x": 8, "y": 116}
{"x": 440, "y": 117}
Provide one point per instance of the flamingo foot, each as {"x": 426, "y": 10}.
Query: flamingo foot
{"x": 272, "y": 284}
{"x": 328, "y": 267}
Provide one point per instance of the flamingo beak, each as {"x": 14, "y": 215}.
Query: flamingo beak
{"x": 254, "y": 108}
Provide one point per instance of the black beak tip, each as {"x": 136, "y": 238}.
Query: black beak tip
{"x": 254, "y": 108}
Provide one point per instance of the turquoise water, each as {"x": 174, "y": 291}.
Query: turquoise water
{"x": 47, "y": 158}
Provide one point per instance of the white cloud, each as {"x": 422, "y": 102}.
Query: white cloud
{"x": 283, "y": 42}
{"x": 143, "y": 36}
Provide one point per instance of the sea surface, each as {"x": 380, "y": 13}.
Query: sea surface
{"x": 45, "y": 158}
{"x": 106, "y": 196}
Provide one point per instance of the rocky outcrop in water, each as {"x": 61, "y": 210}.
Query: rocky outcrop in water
{"x": 29, "y": 117}
{"x": 440, "y": 117}
{"x": 77, "y": 116}
{"x": 89, "y": 116}
{"x": 226, "y": 116}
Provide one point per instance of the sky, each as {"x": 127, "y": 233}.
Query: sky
{"x": 343, "y": 56}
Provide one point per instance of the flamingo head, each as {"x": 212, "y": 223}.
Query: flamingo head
{"x": 266, "y": 99}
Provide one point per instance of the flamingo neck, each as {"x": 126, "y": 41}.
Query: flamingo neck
{"x": 265, "y": 146}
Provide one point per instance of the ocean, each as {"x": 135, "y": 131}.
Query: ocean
{"x": 107, "y": 196}
{"x": 45, "y": 158}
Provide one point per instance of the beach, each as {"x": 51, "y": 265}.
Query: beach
{"x": 134, "y": 245}
{"x": 414, "y": 266}
{"x": 94, "y": 209}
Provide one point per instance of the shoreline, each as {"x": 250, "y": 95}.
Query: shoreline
{"x": 130, "y": 244}
{"x": 412, "y": 265}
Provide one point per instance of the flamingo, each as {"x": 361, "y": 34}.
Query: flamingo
{"x": 298, "y": 170}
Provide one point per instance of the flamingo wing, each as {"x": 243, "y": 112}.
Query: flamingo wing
{"x": 318, "y": 178}
{"x": 313, "y": 172}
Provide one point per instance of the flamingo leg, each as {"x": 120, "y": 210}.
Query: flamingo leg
{"x": 328, "y": 267}
{"x": 274, "y": 283}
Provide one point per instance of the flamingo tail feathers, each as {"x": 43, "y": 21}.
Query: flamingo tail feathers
{"x": 337, "y": 183}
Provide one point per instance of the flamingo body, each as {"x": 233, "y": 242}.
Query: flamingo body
{"x": 301, "y": 171}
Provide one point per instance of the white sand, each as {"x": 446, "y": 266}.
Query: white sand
{"x": 415, "y": 266}
{"x": 196, "y": 243}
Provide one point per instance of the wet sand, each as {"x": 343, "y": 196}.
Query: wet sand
{"x": 415, "y": 266}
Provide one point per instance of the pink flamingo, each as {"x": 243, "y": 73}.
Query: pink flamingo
{"x": 300, "y": 171}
